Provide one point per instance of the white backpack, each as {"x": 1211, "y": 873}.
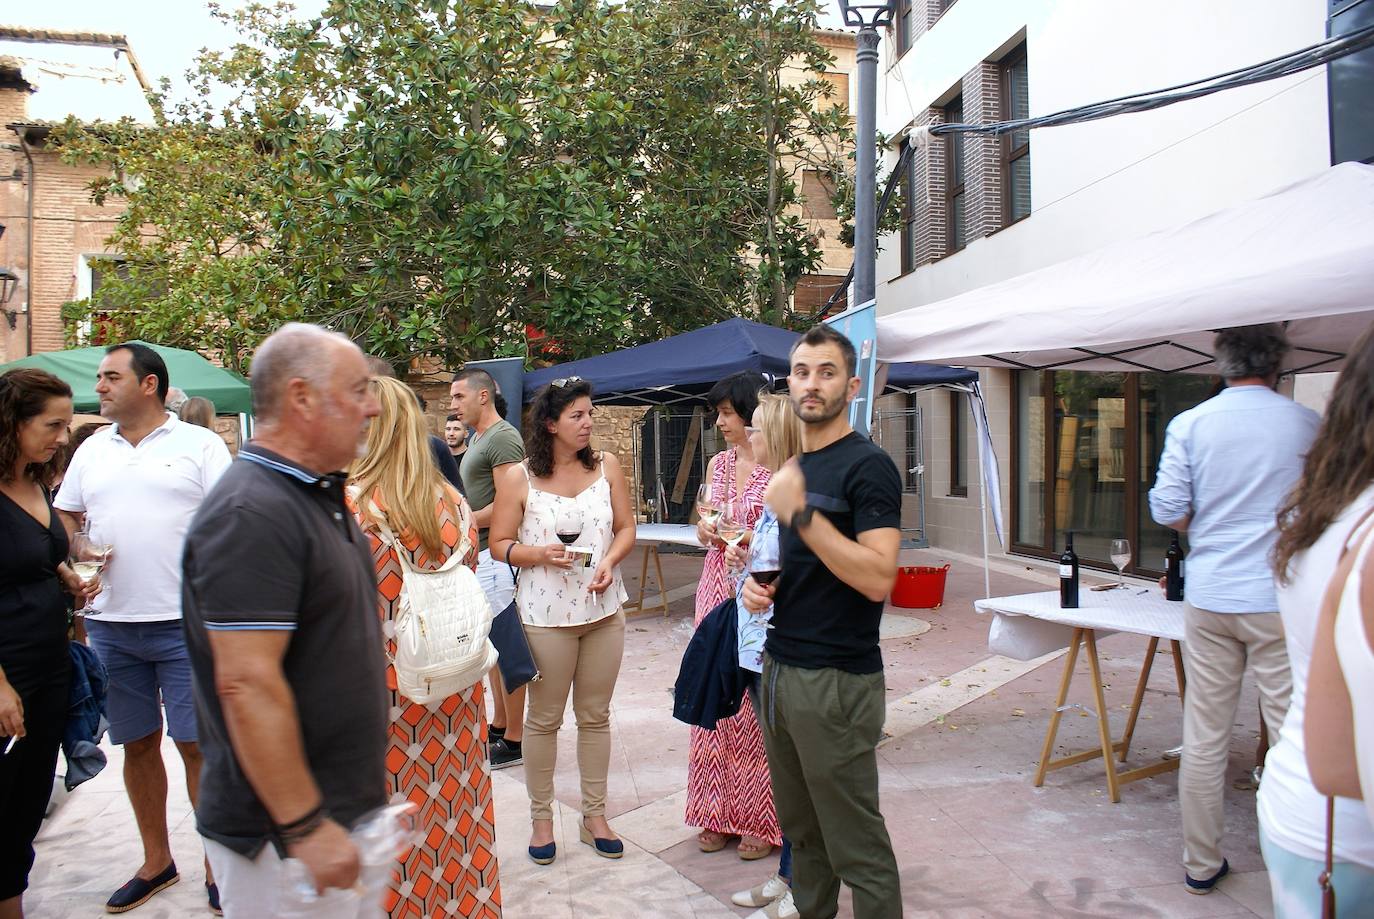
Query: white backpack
{"x": 441, "y": 625}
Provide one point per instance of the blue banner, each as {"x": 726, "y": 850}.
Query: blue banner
{"x": 860, "y": 326}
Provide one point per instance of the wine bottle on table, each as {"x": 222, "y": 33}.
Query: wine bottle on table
{"x": 1068, "y": 576}
{"x": 1173, "y": 570}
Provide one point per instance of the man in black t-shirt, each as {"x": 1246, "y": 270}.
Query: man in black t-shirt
{"x": 822, "y": 702}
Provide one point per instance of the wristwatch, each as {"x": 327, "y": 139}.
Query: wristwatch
{"x": 802, "y": 517}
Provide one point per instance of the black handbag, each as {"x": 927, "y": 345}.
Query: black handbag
{"x": 508, "y": 635}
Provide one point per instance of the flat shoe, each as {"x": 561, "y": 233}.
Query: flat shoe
{"x": 212, "y": 895}
{"x": 138, "y": 891}
{"x": 606, "y": 848}
{"x": 1205, "y": 887}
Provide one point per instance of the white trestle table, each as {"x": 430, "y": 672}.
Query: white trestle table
{"x": 1035, "y": 624}
{"x": 650, "y": 536}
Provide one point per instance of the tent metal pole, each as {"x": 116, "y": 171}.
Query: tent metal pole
{"x": 982, "y": 512}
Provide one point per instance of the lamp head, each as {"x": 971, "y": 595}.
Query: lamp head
{"x": 875, "y": 14}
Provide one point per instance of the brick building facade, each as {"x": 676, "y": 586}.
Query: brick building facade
{"x": 54, "y": 236}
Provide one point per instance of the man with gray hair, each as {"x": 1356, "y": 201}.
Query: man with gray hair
{"x": 1227, "y": 466}
{"x": 281, "y": 622}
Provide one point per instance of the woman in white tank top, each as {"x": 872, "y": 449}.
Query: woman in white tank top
{"x": 572, "y": 613}
{"x": 1322, "y": 533}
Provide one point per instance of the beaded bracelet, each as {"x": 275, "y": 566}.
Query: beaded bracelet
{"x": 298, "y": 829}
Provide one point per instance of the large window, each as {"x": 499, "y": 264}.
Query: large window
{"x": 958, "y": 445}
{"x": 905, "y": 26}
{"x": 1016, "y": 161}
{"x": 1087, "y": 447}
{"x": 817, "y": 194}
{"x": 908, "y": 209}
{"x": 955, "y": 200}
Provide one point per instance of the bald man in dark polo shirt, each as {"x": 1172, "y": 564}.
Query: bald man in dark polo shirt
{"x": 280, "y": 607}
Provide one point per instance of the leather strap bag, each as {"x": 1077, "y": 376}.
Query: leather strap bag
{"x": 508, "y": 635}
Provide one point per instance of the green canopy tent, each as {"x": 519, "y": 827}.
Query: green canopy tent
{"x": 187, "y": 369}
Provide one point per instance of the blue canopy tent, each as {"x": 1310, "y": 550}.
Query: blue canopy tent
{"x": 683, "y": 368}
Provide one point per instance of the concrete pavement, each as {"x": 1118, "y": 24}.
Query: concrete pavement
{"x": 973, "y": 838}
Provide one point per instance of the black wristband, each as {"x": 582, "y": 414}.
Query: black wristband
{"x": 802, "y": 517}
{"x": 302, "y": 827}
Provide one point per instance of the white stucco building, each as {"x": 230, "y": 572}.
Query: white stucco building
{"x": 1078, "y": 450}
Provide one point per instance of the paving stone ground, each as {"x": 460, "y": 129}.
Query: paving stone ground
{"x": 973, "y": 838}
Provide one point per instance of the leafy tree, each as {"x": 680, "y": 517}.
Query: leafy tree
{"x": 436, "y": 177}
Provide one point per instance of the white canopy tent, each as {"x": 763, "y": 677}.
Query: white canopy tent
{"x": 1303, "y": 255}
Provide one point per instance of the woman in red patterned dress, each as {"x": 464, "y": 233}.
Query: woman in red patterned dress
{"x": 452, "y": 871}
{"x": 728, "y": 789}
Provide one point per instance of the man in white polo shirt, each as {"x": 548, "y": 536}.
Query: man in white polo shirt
{"x": 135, "y": 486}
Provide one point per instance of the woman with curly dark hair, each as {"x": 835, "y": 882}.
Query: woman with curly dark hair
{"x": 1330, "y": 507}
{"x": 35, "y": 669}
{"x": 563, "y": 515}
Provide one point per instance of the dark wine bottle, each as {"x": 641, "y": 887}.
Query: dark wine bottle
{"x": 1068, "y": 576}
{"x": 1173, "y": 570}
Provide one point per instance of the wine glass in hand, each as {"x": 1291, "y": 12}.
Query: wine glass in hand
{"x": 567, "y": 525}
{"x": 1121, "y": 557}
{"x": 708, "y": 510}
{"x": 730, "y": 525}
{"x": 87, "y": 557}
{"x": 765, "y": 562}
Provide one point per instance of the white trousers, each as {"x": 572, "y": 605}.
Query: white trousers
{"x": 251, "y": 888}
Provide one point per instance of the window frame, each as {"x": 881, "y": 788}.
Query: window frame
{"x": 908, "y": 230}
{"x": 958, "y": 445}
{"x": 1010, "y": 154}
{"x": 954, "y": 147}
{"x": 905, "y": 10}
{"x": 1132, "y": 491}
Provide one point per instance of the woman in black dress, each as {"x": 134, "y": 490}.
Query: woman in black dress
{"x": 35, "y": 412}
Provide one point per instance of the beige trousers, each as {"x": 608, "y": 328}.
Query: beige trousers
{"x": 1216, "y": 650}
{"x": 585, "y": 659}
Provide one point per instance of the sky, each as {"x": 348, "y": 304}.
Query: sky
{"x": 166, "y": 36}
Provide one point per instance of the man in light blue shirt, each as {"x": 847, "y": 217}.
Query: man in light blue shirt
{"x": 1227, "y": 466}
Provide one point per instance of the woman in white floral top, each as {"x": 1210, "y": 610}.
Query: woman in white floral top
{"x": 572, "y": 614}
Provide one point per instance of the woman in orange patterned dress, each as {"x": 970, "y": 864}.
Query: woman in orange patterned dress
{"x": 435, "y": 755}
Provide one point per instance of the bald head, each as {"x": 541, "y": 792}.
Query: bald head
{"x": 296, "y": 351}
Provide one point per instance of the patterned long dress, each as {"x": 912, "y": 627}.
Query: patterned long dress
{"x": 452, "y": 871}
{"x": 728, "y": 789}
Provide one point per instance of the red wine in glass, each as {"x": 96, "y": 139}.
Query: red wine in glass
{"x": 568, "y": 539}
{"x": 765, "y": 577}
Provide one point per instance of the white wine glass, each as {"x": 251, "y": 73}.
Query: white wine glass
{"x": 730, "y": 525}
{"x": 708, "y": 503}
{"x": 87, "y": 556}
{"x": 1121, "y": 557}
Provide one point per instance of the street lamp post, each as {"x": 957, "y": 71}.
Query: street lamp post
{"x": 869, "y": 16}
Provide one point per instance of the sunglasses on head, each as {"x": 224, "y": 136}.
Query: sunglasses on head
{"x": 566, "y": 381}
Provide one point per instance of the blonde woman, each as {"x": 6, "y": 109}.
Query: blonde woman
{"x": 775, "y": 437}
{"x": 435, "y": 754}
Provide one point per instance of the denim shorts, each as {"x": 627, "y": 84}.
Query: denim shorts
{"x": 149, "y": 670}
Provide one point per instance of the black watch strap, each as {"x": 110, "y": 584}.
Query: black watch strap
{"x": 803, "y": 517}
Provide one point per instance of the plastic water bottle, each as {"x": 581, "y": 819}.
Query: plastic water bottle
{"x": 381, "y": 838}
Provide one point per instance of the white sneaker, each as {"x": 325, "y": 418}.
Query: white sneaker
{"x": 762, "y": 895}
{"x": 781, "y": 908}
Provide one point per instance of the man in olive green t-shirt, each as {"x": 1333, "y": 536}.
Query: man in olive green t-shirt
{"x": 495, "y": 445}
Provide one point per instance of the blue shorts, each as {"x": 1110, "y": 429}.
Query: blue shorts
{"x": 149, "y": 670}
